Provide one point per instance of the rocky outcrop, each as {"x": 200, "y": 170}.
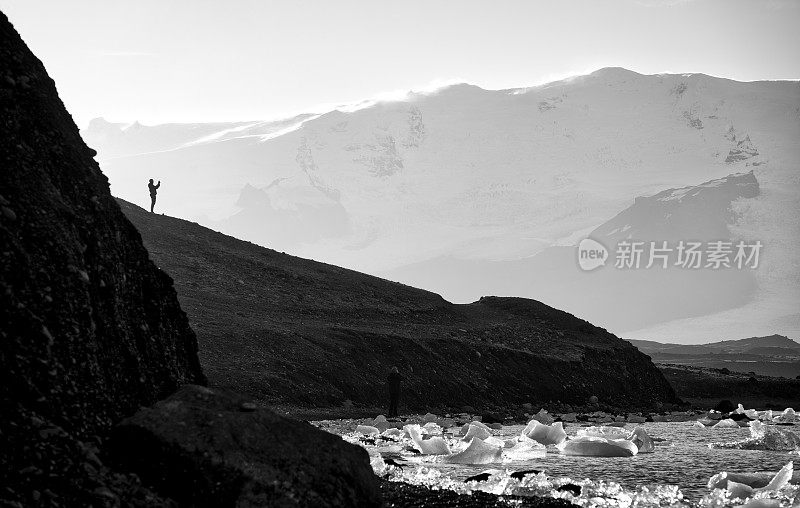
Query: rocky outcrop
{"x": 743, "y": 150}
{"x": 212, "y": 448}
{"x": 91, "y": 328}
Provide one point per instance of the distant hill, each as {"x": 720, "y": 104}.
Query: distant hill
{"x": 291, "y": 330}
{"x": 774, "y": 355}
{"x": 777, "y": 343}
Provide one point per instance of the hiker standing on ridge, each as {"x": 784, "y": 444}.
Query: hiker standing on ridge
{"x": 393, "y": 382}
{"x": 153, "y": 193}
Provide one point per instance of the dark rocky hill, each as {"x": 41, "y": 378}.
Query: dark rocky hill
{"x": 91, "y": 330}
{"x": 291, "y": 330}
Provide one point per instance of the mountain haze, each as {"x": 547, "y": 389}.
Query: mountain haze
{"x": 485, "y": 176}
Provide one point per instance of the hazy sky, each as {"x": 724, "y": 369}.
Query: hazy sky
{"x": 194, "y": 60}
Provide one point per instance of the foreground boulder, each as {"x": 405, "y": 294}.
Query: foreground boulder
{"x": 206, "y": 447}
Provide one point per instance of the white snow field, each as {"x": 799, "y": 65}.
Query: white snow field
{"x": 471, "y": 180}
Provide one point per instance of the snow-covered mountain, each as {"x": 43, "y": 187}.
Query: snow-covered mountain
{"x": 479, "y": 176}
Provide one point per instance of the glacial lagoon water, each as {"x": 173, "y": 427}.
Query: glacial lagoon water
{"x": 682, "y": 458}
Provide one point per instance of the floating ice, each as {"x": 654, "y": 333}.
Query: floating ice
{"x": 545, "y": 434}
{"x": 478, "y": 452}
{"x": 788, "y": 416}
{"x": 466, "y": 427}
{"x": 742, "y": 485}
{"x": 523, "y": 448}
{"x": 477, "y": 431}
{"x": 604, "y": 431}
{"x": 392, "y": 433}
{"x": 432, "y": 446}
{"x": 594, "y": 446}
{"x": 432, "y": 428}
{"x": 727, "y": 423}
{"x": 644, "y": 443}
{"x": 765, "y": 437}
{"x": 543, "y": 417}
{"x": 750, "y": 413}
{"x": 367, "y": 430}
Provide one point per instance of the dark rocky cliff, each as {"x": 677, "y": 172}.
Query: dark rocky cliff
{"x": 91, "y": 328}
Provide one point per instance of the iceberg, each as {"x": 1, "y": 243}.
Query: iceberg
{"x": 765, "y": 437}
{"x": 367, "y": 430}
{"x": 644, "y": 443}
{"x": 432, "y": 446}
{"x": 543, "y": 417}
{"x": 522, "y": 449}
{"x": 604, "y": 432}
{"x": 466, "y": 427}
{"x": 477, "y": 431}
{"x": 788, "y": 416}
{"x": 545, "y": 434}
{"x": 727, "y": 423}
{"x": 478, "y": 452}
{"x": 432, "y": 428}
{"x": 594, "y": 446}
{"x": 750, "y": 413}
{"x": 746, "y": 485}
{"x": 392, "y": 432}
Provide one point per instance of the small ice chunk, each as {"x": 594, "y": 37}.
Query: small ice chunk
{"x": 543, "y": 417}
{"x": 545, "y": 434}
{"x": 642, "y": 440}
{"x": 367, "y": 430}
{"x": 788, "y": 416}
{"x": 392, "y": 432}
{"x": 377, "y": 463}
{"x": 727, "y": 423}
{"x": 604, "y": 432}
{"x": 432, "y": 428}
{"x": 477, "y": 431}
{"x": 478, "y": 452}
{"x": 432, "y": 446}
{"x": 699, "y": 424}
{"x": 738, "y": 483}
{"x": 523, "y": 449}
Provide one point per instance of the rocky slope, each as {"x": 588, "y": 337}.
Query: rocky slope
{"x": 92, "y": 330}
{"x": 291, "y": 330}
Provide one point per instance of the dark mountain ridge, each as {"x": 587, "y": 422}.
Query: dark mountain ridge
{"x": 748, "y": 345}
{"x": 773, "y": 355}
{"x": 291, "y": 330}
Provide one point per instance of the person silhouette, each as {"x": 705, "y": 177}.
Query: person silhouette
{"x": 153, "y": 193}
{"x": 393, "y": 382}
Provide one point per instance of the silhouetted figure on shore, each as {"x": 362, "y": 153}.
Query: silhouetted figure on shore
{"x": 393, "y": 383}
{"x": 153, "y": 192}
